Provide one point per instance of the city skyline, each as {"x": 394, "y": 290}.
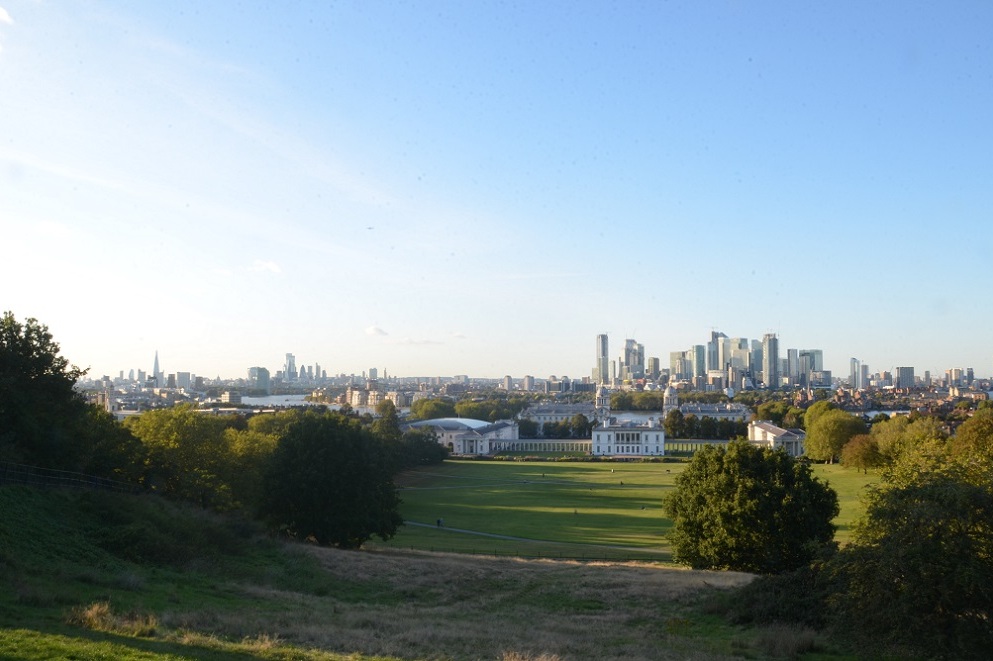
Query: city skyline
{"x": 481, "y": 188}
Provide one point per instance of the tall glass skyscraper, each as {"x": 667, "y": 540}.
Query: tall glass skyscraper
{"x": 601, "y": 368}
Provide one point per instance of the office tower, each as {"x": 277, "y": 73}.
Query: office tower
{"x": 653, "y": 368}
{"x": 258, "y": 377}
{"x": 855, "y": 374}
{"x": 676, "y": 371}
{"x": 290, "y": 368}
{"x": 508, "y": 383}
{"x": 634, "y": 360}
{"x": 715, "y": 351}
{"x": 373, "y": 373}
{"x": 969, "y": 376}
{"x": 528, "y": 384}
{"x": 699, "y": 360}
{"x": 770, "y": 360}
{"x": 601, "y": 368}
{"x": 184, "y": 380}
{"x": 905, "y": 377}
{"x": 793, "y": 366}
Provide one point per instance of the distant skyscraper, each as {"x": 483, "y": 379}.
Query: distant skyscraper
{"x": 715, "y": 350}
{"x": 508, "y": 383}
{"x": 373, "y": 373}
{"x": 905, "y": 377}
{"x": 770, "y": 360}
{"x": 157, "y": 373}
{"x": 601, "y": 368}
{"x": 855, "y": 374}
{"x": 634, "y": 359}
{"x": 527, "y": 384}
{"x": 290, "y": 368}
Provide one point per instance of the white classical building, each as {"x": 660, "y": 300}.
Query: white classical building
{"x": 624, "y": 440}
{"x": 629, "y": 440}
{"x": 544, "y": 413}
{"x": 767, "y": 435}
{"x": 469, "y": 436}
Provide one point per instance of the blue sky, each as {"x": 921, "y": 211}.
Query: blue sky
{"x": 436, "y": 188}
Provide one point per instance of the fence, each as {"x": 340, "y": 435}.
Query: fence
{"x": 50, "y": 478}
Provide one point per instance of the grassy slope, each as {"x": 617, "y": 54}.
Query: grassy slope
{"x": 100, "y": 576}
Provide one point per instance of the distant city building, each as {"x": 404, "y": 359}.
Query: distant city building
{"x": 258, "y": 379}
{"x": 601, "y": 366}
{"x": 508, "y": 383}
{"x": 770, "y": 360}
{"x": 905, "y": 377}
{"x": 290, "y": 368}
{"x": 527, "y": 384}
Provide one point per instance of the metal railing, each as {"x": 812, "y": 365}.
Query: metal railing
{"x": 50, "y": 478}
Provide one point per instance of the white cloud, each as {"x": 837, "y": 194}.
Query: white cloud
{"x": 263, "y": 265}
{"x": 459, "y": 336}
{"x": 375, "y": 330}
{"x": 5, "y": 17}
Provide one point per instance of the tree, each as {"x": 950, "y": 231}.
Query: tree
{"x": 39, "y": 407}
{"x": 744, "y": 508}
{"x": 431, "y": 409}
{"x": 773, "y": 411}
{"x": 188, "y": 455}
{"x": 580, "y": 426}
{"x": 861, "y": 452}
{"x": 816, "y": 410}
{"x": 674, "y": 424}
{"x": 829, "y": 433}
{"x": 331, "y": 481}
{"x": 387, "y": 425}
{"x": 975, "y": 435}
{"x": 918, "y": 575}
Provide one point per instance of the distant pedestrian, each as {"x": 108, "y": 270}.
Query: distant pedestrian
{"x": 439, "y": 522}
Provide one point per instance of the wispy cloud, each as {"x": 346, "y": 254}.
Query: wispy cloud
{"x": 263, "y": 266}
{"x": 375, "y": 330}
{"x": 459, "y": 336}
{"x": 5, "y": 17}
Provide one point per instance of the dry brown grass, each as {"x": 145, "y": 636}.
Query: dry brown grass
{"x": 440, "y": 606}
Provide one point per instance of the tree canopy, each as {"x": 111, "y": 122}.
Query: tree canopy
{"x": 39, "y": 407}
{"x": 829, "y": 433}
{"x": 744, "y": 508}
{"x": 331, "y": 481}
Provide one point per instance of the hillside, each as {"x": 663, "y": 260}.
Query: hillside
{"x": 95, "y": 575}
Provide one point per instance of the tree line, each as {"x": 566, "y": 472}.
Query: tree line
{"x": 313, "y": 474}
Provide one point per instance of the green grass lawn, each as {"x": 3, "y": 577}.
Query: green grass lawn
{"x": 566, "y": 509}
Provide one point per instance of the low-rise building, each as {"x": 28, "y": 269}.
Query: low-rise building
{"x": 767, "y": 435}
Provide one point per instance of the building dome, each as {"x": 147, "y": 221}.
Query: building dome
{"x": 452, "y": 424}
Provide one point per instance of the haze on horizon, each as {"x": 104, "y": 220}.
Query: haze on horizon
{"x": 438, "y": 188}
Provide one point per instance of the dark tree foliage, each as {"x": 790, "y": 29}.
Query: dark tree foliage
{"x": 39, "y": 408}
{"x": 918, "y": 576}
{"x": 331, "y": 481}
{"x": 44, "y": 421}
{"x": 749, "y": 509}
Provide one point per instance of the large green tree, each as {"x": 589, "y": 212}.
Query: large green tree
{"x": 829, "y": 433}
{"x": 188, "y": 455}
{"x": 744, "y": 508}
{"x": 331, "y": 481}
{"x": 39, "y": 406}
{"x": 917, "y": 580}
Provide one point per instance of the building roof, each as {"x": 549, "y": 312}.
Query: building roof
{"x": 452, "y": 424}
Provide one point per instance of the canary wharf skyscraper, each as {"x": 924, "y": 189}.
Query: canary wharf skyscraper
{"x": 601, "y": 369}
{"x": 770, "y": 360}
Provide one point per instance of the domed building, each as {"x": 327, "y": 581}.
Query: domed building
{"x": 470, "y": 436}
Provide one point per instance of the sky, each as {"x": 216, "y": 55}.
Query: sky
{"x": 438, "y": 188}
